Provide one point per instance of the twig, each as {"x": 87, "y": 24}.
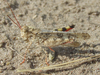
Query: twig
{"x": 63, "y": 65}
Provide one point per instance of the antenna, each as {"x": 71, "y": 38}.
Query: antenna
{"x": 18, "y": 24}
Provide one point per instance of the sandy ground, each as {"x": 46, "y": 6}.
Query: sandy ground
{"x": 49, "y": 14}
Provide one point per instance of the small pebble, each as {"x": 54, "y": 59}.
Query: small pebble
{"x": 2, "y": 63}
{"x": 51, "y": 55}
{"x": 7, "y": 63}
{"x": 12, "y": 68}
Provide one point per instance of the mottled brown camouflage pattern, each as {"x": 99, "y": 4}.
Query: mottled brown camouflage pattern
{"x": 49, "y": 39}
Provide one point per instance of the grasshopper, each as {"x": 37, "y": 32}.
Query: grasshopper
{"x": 51, "y": 38}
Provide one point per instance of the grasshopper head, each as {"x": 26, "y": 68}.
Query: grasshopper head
{"x": 24, "y": 32}
{"x": 28, "y": 32}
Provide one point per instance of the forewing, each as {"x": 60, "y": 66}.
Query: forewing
{"x": 81, "y": 36}
{"x": 73, "y": 44}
